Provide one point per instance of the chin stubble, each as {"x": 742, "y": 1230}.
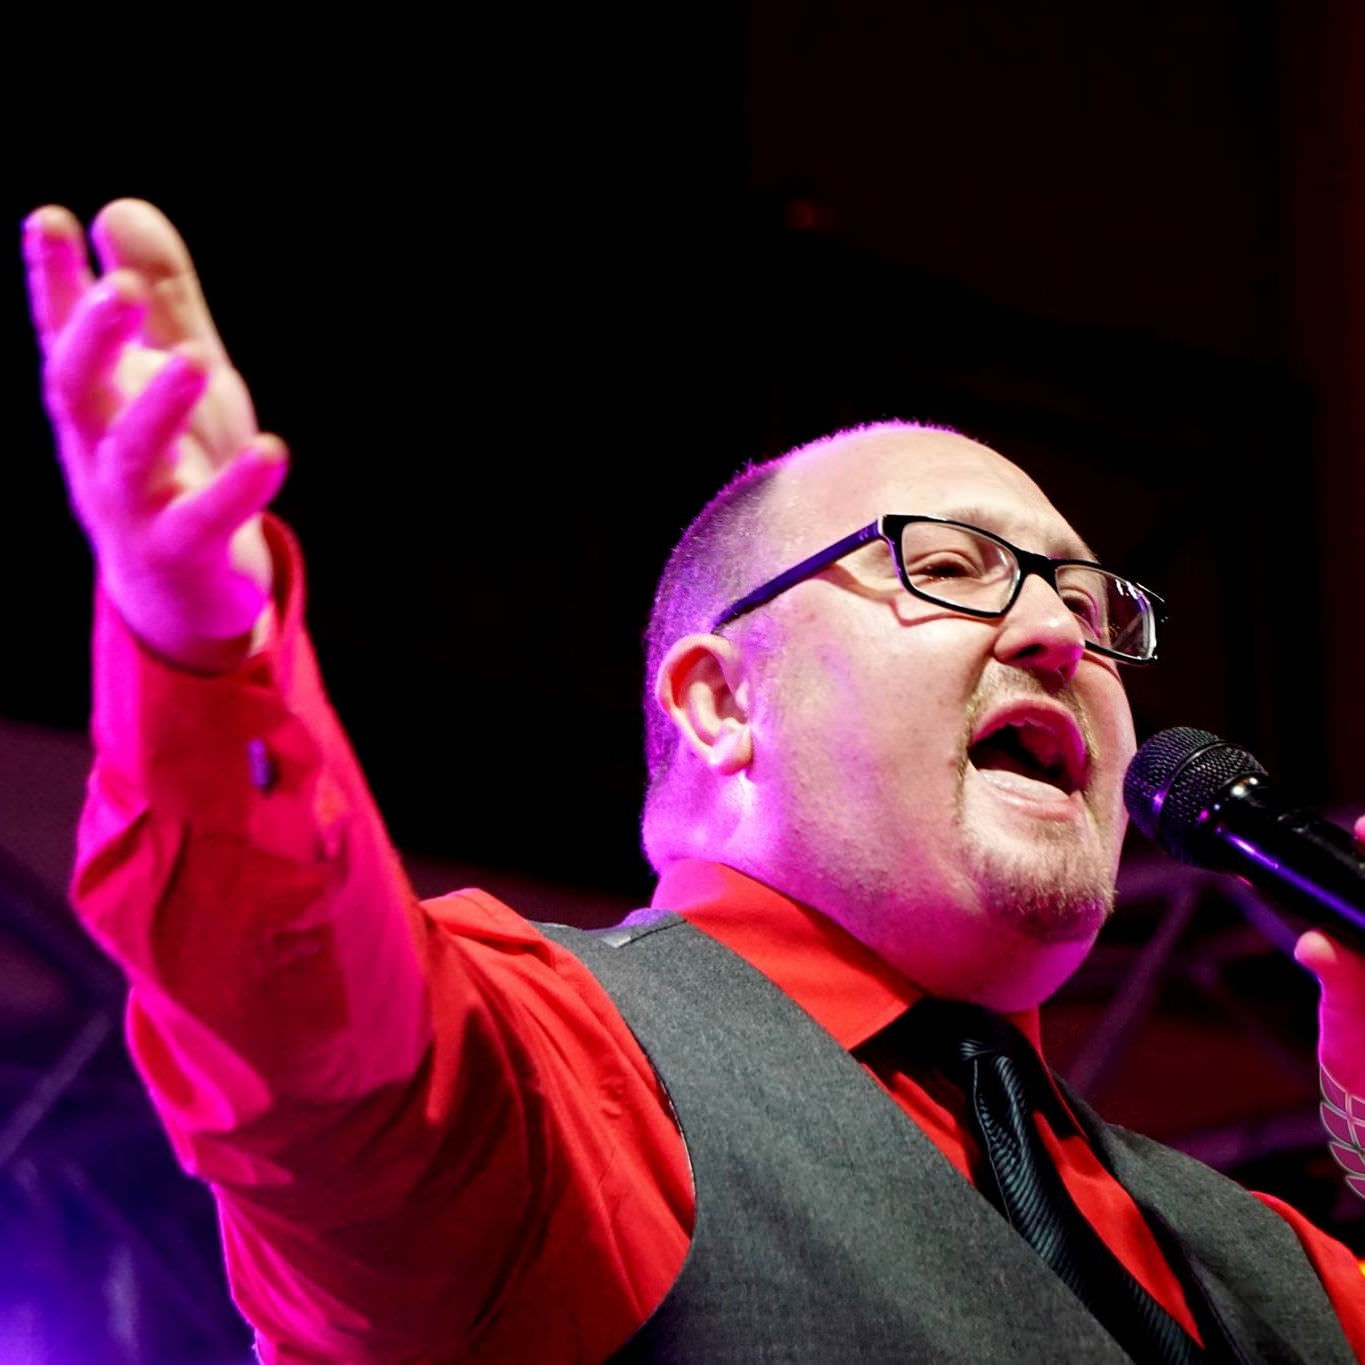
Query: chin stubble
{"x": 1059, "y": 897}
{"x": 1062, "y": 888}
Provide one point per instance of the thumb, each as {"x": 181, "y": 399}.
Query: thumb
{"x": 1341, "y": 1013}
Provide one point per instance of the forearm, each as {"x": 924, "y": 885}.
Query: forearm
{"x": 232, "y": 861}
{"x": 282, "y": 1009}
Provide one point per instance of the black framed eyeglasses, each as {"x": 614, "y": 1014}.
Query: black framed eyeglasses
{"x": 952, "y": 564}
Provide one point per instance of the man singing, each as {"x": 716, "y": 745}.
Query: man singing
{"x": 797, "y": 1110}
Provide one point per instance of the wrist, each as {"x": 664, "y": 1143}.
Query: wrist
{"x": 207, "y": 621}
{"x": 206, "y": 657}
{"x": 212, "y": 658}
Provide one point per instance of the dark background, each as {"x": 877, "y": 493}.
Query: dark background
{"x": 523, "y": 289}
{"x": 521, "y": 306}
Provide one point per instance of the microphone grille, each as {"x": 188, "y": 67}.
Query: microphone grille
{"x": 1173, "y": 779}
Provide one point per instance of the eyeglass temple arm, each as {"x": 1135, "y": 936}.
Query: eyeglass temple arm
{"x": 807, "y": 568}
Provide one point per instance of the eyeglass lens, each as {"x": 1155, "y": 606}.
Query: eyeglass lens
{"x": 963, "y": 568}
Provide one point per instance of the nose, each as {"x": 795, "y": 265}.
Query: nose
{"x": 1040, "y": 632}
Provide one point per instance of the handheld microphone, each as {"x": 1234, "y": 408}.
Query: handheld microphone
{"x": 1209, "y": 803}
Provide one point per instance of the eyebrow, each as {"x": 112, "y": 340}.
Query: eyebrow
{"x": 976, "y": 515}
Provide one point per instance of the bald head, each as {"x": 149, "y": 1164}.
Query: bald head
{"x": 747, "y": 532}
{"x": 832, "y": 741}
{"x": 832, "y": 486}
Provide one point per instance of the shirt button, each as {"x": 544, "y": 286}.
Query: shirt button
{"x": 260, "y": 766}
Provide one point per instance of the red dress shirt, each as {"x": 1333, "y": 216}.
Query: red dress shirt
{"x": 431, "y": 1136}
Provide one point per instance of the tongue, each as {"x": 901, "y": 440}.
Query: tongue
{"x": 1002, "y": 753}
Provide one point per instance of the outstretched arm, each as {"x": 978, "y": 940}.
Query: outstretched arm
{"x": 400, "y": 1107}
{"x": 229, "y": 855}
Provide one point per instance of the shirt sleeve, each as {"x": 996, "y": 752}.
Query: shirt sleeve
{"x": 399, "y": 1107}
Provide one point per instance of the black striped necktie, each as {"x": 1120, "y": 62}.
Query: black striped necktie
{"x": 1004, "y": 1082}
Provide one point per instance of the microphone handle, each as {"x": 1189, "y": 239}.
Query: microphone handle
{"x": 1307, "y": 863}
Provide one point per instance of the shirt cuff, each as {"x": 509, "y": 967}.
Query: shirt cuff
{"x": 208, "y": 750}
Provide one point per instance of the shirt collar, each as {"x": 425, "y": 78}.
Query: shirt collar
{"x": 844, "y": 986}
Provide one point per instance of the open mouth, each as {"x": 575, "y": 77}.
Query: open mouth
{"x": 1034, "y": 742}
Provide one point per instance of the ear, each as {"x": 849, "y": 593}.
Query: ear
{"x": 702, "y": 688}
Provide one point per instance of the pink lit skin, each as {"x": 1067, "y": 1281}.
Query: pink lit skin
{"x": 1341, "y": 1012}
{"x": 828, "y": 734}
{"x": 166, "y": 469}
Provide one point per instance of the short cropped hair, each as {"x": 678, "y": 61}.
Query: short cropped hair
{"x": 716, "y": 561}
{"x": 723, "y": 554}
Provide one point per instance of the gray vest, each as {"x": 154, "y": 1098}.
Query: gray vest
{"x": 830, "y": 1228}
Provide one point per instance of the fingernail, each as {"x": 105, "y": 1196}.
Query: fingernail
{"x": 33, "y": 222}
{"x": 31, "y": 234}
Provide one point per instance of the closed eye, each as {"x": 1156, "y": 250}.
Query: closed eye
{"x": 1087, "y": 611}
{"x": 935, "y": 568}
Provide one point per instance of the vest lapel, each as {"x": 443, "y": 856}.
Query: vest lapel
{"x": 829, "y": 1227}
{"x": 1245, "y": 1257}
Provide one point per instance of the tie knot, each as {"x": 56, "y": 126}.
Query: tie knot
{"x": 955, "y": 1036}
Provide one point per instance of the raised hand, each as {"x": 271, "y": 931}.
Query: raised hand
{"x": 165, "y": 466}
